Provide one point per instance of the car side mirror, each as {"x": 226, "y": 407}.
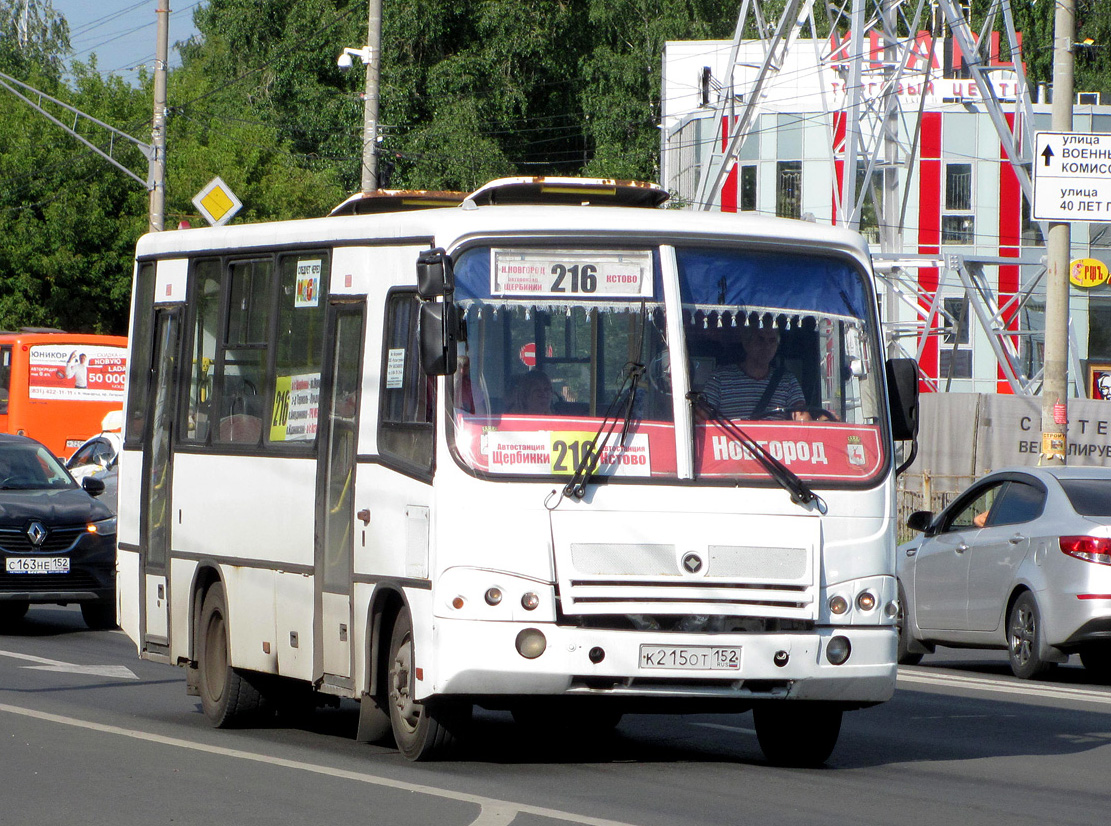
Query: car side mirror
{"x": 92, "y": 485}
{"x": 920, "y": 521}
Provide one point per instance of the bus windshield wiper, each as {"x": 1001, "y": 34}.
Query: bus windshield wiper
{"x": 588, "y": 462}
{"x": 800, "y": 492}
{"x": 625, "y": 397}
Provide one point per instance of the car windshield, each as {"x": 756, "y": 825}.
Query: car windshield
{"x": 1088, "y": 497}
{"x": 567, "y": 351}
{"x": 29, "y": 466}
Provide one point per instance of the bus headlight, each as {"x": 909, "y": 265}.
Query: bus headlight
{"x": 838, "y": 605}
{"x": 531, "y": 643}
{"x": 530, "y": 601}
{"x": 493, "y": 595}
{"x": 865, "y": 600}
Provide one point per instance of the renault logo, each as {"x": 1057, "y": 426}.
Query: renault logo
{"x": 692, "y": 563}
{"x": 36, "y": 533}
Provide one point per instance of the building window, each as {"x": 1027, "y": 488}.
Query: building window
{"x": 1031, "y": 229}
{"x": 748, "y": 188}
{"x": 958, "y": 229}
{"x": 788, "y": 189}
{"x": 956, "y": 355}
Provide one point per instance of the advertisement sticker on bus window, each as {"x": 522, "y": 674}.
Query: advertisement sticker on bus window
{"x": 571, "y": 273}
{"x": 77, "y": 372}
{"x": 308, "y": 284}
{"x": 559, "y": 453}
{"x": 296, "y": 408}
{"x": 395, "y": 369}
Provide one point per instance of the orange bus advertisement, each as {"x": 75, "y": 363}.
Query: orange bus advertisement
{"x": 57, "y": 387}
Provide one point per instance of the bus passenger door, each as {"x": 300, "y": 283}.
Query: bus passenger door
{"x": 335, "y": 491}
{"x": 154, "y": 524}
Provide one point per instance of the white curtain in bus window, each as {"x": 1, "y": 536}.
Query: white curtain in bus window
{"x": 561, "y": 344}
{"x": 299, "y": 348}
{"x": 242, "y": 362}
{"x": 785, "y": 344}
{"x": 405, "y": 429}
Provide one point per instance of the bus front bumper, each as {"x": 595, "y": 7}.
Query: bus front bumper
{"x": 482, "y": 659}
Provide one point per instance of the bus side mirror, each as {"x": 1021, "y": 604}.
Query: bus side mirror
{"x": 439, "y": 331}
{"x": 902, "y": 393}
{"x": 435, "y": 276}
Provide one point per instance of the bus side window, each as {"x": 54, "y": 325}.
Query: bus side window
{"x": 242, "y": 362}
{"x": 206, "y": 330}
{"x": 405, "y": 430}
{"x": 5, "y": 377}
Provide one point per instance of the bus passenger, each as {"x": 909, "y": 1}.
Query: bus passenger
{"x": 753, "y": 388}
{"x": 532, "y": 394}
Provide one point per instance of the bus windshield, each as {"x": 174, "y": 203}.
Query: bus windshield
{"x": 561, "y": 343}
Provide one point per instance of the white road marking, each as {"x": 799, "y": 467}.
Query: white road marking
{"x": 494, "y": 812}
{"x": 116, "y": 672}
{"x": 1027, "y": 688}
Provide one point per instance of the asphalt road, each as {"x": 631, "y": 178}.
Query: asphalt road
{"x": 91, "y": 734}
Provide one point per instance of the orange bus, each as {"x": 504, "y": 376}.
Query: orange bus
{"x": 56, "y": 387}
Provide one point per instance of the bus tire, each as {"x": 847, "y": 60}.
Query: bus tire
{"x": 422, "y": 731}
{"x": 100, "y": 615}
{"x": 227, "y": 698}
{"x": 797, "y": 733}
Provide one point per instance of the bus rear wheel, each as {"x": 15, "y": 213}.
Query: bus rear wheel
{"x": 422, "y": 731}
{"x": 798, "y": 734}
{"x": 227, "y": 698}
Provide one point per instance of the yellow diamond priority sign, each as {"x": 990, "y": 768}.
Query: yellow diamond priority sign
{"x": 217, "y": 203}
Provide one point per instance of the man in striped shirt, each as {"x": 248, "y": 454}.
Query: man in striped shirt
{"x": 737, "y": 391}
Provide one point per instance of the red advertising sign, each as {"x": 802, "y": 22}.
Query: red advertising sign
{"x": 549, "y": 445}
{"x": 77, "y": 372}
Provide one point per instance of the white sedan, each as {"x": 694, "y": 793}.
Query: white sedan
{"x": 99, "y": 457}
{"x": 1020, "y": 561}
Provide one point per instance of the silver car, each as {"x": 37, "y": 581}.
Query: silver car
{"x": 1022, "y": 561}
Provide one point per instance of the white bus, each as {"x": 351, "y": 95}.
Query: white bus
{"x": 433, "y": 459}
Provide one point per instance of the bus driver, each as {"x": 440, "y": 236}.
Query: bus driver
{"x": 754, "y": 389}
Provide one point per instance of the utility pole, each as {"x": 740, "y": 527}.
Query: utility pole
{"x": 157, "y": 182}
{"x": 370, "y": 109}
{"x": 1058, "y": 254}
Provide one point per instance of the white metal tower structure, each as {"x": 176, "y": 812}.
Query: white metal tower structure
{"x": 876, "y": 48}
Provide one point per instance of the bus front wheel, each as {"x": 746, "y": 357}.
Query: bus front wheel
{"x": 797, "y": 733}
{"x": 227, "y": 698}
{"x": 422, "y": 731}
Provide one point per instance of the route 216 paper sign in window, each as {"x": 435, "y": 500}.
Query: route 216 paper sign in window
{"x": 566, "y": 273}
